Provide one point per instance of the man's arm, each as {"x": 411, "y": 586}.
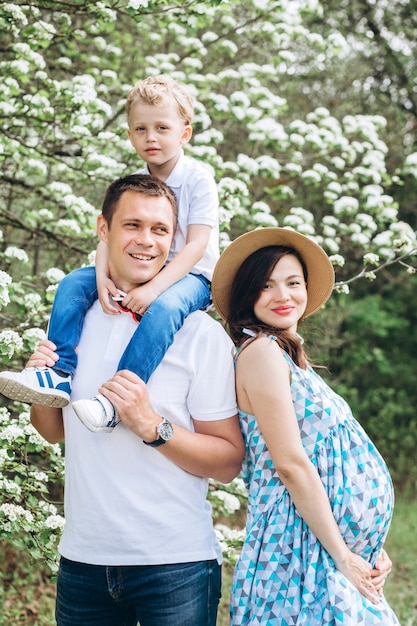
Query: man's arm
{"x": 47, "y": 421}
{"x": 215, "y": 450}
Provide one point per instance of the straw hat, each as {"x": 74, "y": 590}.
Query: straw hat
{"x": 320, "y": 270}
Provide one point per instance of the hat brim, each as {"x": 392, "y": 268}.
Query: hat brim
{"x": 319, "y": 268}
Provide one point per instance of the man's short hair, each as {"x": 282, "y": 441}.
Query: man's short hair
{"x": 138, "y": 183}
{"x": 156, "y": 90}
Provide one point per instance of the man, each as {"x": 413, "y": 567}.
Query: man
{"x": 139, "y": 544}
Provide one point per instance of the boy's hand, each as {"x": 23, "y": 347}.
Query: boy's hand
{"x": 107, "y": 288}
{"x": 140, "y": 298}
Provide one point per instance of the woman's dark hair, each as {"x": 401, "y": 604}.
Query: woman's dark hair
{"x": 249, "y": 281}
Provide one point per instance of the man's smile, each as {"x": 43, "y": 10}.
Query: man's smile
{"x": 141, "y": 257}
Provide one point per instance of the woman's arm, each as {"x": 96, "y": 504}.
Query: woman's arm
{"x": 263, "y": 388}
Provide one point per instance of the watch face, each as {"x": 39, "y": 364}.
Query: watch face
{"x": 165, "y": 430}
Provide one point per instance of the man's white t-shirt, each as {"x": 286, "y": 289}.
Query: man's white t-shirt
{"x": 125, "y": 503}
{"x": 198, "y": 203}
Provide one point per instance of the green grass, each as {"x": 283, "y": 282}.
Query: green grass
{"x": 27, "y": 595}
{"x": 401, "y": 586}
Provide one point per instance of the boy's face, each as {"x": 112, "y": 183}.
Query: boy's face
{"x": 138, "y": 239}
{"x": 157, "y": 134}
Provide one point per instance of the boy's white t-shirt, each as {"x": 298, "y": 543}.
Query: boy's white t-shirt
{"x": 125, "y": 503}
{"x": 198, "y": 203}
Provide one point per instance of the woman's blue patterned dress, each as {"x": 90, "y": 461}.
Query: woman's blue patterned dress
{"x": 284, "y": 577}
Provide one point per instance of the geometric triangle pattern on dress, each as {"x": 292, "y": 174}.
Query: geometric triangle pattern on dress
{"x": 284, "y": 577}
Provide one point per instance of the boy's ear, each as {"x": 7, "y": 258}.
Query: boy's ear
{"x": 186, "y": 135}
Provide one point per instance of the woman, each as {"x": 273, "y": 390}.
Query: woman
{"x": 320, "y": 495}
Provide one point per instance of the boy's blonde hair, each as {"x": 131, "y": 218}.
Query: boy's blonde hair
{"x": 155, "y": 90}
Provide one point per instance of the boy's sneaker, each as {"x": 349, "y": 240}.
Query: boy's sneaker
{"x": 37, "y": 385}
{"x": 97, "y": 414}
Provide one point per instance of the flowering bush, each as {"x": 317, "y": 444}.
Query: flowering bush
{"x": 66, "y": 72}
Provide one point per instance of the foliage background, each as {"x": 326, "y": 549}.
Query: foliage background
{"x": 306, "y": 112}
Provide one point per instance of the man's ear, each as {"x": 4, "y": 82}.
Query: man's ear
{"x": 186, "y": 135}
{"x": 102, "y": 228}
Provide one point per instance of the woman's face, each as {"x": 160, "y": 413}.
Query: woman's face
{"x": 283, "y": 300}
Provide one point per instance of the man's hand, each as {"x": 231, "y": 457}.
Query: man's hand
{"x": 128, "y": 393}
{"x": 44, "y": 355}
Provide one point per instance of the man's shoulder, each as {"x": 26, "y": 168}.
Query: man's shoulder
{"x": 200, "y": 323}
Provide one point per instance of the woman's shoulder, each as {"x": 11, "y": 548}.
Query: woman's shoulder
{"x": 259, "y": 351}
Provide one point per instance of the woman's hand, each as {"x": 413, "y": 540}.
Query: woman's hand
{"x": 383, "y": 567}
{"x": 359, "y": 572}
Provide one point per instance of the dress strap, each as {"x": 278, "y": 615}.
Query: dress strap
{"x": 252, "y": 336}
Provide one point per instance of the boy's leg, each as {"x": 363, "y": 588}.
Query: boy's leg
{"x": 75, "y": 295}
{"x": 162, "y": 320}
{"x": 52, "y": 386}
{"x": 147, "y": 347}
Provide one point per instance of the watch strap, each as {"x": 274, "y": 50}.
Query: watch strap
{"x": 160, "y": 440}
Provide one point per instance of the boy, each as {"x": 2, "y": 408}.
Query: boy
{"x": 159, "y": 114}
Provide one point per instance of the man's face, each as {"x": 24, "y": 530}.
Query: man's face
{"x": 139, "y": 238}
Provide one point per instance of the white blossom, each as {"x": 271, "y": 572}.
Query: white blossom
{"x": 4, "y": 414}
{"x": 13, "y": 512}
{"x": 11, "y": 432}
{"x": 360, "y": 238}
{"x": 269, "y": 165}
{"x": 32, "y": 301}
{"x": 3, "y": 456}
{"x": 10, "y": 487}
{"x": 55, "y": 522}
{"x": 371, "y": 259}
{"x": 346, "y": 205}
{"x": 311, "y": 175}
{"x": 54, "y": 275}
{"x": 46, "y": 215}
{"x": 136, "y": 4}
{"x": 5, "y": 279}
{"x": 41, "y": 477}
{"x": 231, "y": 502}
{"x": 342, "y": 288}
{"x": 337, "y": 259}
{"x": 10, "y": 341}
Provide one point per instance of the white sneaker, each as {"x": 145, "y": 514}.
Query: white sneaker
{"x": 37, "y": 385}
{"x": 97, "y": 414}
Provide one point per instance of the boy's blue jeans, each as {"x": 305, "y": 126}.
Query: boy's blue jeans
{"x": 153, "y": 336}
{"x": 184, "y": 594}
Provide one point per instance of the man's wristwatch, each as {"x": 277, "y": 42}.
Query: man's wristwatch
{"x": 164, "y": 433}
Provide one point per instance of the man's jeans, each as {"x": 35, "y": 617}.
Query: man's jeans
{"x": 185, "y": 594}
{"x": 155, "y": 333}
